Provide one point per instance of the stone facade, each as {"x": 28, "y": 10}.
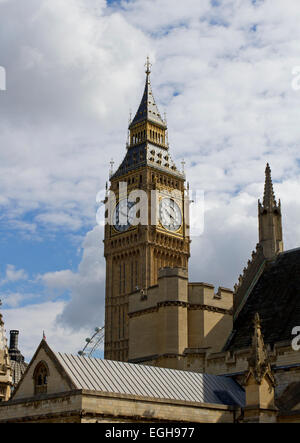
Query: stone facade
{"x": 88, "y": 407}
{"x": 174, "y": 319}
{"x": 63, "y": 402}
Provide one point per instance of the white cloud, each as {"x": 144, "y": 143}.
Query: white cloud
{"x": 60, "y": 220}
{"x": 13, "y": 275}
{"x": 74, "y": 75}
{"x": 68, "y": 71}
{"x": 12, "y": 300}
{"x": 86, "y": 287}
{"x": 32, "y": 320}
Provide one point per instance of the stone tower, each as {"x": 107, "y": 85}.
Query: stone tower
{"x": 136, "y": 250}
{"x": 269, "y": 244}
{"x": 269, "y": 218}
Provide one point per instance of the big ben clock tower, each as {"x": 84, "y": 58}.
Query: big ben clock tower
{"x": 135, "y": 252}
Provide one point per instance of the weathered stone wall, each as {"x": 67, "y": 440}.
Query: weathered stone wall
{"x": 89, "y": 407}
{"x": 141, "y": 409}
{"x": 65, "y": 407}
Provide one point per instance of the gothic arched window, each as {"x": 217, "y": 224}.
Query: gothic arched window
{"x": 40, "y": 377}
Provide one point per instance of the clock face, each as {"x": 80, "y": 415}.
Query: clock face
{"x": 124, "y": 215}
{"x": 170, "y": 214}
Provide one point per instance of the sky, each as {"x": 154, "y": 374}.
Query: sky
{"x": 227, "y": 74}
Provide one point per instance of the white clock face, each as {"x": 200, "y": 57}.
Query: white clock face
{"x": 124, "y": 215}
{"x": 170, "y": 214}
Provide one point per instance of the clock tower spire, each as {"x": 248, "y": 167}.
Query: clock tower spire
{"x": 135, "y": 252}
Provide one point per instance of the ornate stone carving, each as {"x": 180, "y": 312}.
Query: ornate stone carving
{"x": 259, "y": 361}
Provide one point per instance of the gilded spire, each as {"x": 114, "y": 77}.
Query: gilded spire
{"x": 147, "y": 142}
{"x": 148, "y": 110}
{"x": 269, "y": 197}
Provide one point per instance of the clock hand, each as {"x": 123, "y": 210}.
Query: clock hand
{"x": 123, "y": 216}
{"x": 170, "y": 215}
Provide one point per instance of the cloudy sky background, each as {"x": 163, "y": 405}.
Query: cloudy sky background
{"x": 226, "y": 72}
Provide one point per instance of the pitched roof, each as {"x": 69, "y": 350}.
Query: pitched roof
{"x": 147, "y": 154}
{"x": 276, "y": 297}
{"x": 147, "y": 381}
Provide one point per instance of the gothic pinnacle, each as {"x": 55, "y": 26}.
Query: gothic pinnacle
{"x": 269, "y": 197}
{"x": 259, "y": 362}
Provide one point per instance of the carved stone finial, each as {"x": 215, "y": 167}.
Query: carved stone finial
{"x": 259, "y": 382}
{"x": 259, "y": 362}
{"x": 269, "y": 197}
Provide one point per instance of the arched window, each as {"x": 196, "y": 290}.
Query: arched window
{"x": 40, "y": 376}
